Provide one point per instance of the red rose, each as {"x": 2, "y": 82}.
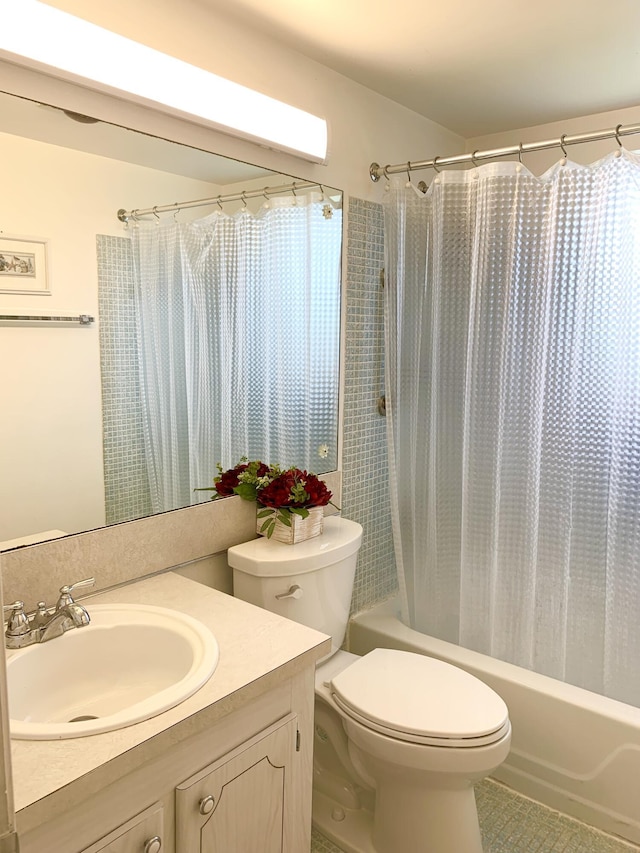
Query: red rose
{"x": 278, "y": 492}
{"x": 319, "y": 494}
{"x": 295, "y": 488}
{"x": 226, "y": 482}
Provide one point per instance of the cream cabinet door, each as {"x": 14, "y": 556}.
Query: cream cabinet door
{"x": 239, "y": 803}
{"x": 141, "y": 834}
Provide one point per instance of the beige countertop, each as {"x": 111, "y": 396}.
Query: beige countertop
{"x": 258, "y": 650}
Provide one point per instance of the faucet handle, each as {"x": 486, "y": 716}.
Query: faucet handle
{"x": 18, "y": 623}
{"x": 65, "y": 592}
{"x": 41, "y": 616}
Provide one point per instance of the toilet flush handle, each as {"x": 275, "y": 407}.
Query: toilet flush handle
{"x": 294, "y": 591}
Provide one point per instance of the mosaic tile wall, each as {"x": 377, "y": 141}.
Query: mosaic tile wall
{"x": 126, "y": 485}
{"x": 365, "y": 487}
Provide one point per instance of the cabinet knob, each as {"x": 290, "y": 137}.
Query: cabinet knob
{"x": 153, "y": 845}
{"x": 207, "y": 804}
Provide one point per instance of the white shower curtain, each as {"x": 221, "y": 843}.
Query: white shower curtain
{"x": 238, "y": 323}
{"x": 513, "y": 395}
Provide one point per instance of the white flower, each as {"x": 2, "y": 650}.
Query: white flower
{"x": 323, "y": 451}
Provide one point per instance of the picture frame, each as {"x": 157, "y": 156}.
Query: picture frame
{"x": 24, "y": 265}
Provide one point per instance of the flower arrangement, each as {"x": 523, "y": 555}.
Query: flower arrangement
{"x": 280, "y": 493}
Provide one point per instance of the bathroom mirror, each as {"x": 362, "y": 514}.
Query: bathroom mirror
{"x": 73, "y": 425}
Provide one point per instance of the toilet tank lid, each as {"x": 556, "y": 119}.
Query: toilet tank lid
{"x": 264, "y": 557}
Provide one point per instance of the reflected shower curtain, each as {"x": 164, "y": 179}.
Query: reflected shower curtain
{"x": 238, "y": 323}
{"x": 513, "y": 396}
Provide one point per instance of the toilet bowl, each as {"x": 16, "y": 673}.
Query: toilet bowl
{"x": 420, "y": 733}
{"x": 401, "y": 738}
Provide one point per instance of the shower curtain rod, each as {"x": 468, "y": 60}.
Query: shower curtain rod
{"x": 376, "y": 171}
{"x": 126, "y": 215}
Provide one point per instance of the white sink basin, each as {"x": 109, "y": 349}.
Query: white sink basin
{"x": 130, "y": 663}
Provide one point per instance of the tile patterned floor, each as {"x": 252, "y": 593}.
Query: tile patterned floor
{"x": 511, "y": 823}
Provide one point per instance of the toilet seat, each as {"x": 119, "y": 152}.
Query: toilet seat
{"x": 426, "y": 740}
{"x": 414, "y": 698}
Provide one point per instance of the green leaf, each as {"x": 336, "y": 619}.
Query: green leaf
{"x": 263, "y": 513}
{"x": 265, "y": 525}
{"x": 272, "y": 527}
{"x": 299, "y": 494}
{"x": 246, "y": 491}
{"x": 284, "y": 517}
{"x": 302, "y": 511}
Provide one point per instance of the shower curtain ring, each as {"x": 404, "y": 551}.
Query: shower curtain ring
{"x": 617, "y": 135}
{"x": 473, "y": 159}
{"x": 563, "y": 146}
{"x": 435, "y": 163}
{"x": 520, "y": 153}
{"x": 155, "y": 213}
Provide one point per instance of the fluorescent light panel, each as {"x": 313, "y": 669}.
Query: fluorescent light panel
{"x": 47, "y": 36}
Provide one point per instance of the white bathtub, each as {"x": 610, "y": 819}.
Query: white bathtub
{"x": 571, "y": 749}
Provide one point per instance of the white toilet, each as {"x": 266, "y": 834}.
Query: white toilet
{"x": 401, "y": 738}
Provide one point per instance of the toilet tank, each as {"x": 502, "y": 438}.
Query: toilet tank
{"x": 310, "y": 582}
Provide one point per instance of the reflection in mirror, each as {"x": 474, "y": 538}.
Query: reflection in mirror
{"x": 216, "y": 330}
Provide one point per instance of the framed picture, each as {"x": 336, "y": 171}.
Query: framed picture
{"x": 23, "y": 265}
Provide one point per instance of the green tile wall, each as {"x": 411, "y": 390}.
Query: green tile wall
{"x": 365, "y": 485}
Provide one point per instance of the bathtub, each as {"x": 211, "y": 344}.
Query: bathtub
{"x": 572, "y": 750}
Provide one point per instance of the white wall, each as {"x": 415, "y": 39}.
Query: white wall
{"x": 51, "y": 428}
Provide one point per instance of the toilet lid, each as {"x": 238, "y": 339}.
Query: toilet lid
{"x": 420, "y": 699}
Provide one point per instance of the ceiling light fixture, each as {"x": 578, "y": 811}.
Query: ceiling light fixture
{"x": 69, "y": 47}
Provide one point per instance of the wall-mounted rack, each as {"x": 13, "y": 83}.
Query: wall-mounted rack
{"x": 82, "y": 319}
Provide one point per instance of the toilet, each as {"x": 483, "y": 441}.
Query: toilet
{"x": 401, "y": 738}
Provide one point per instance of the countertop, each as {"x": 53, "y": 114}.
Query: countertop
{"x": 258, "y": 650}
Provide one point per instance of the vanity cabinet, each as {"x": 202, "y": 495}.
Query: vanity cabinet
{"x": 240, "y": 803}
{"x": 141, "y": 834}
{"x": 241, "y": 785}
{"x": 228, "y": 770}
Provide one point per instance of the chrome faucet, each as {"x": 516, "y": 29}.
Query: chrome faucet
{"x": 70, "y": 616}
{"x": 26, "y": 629}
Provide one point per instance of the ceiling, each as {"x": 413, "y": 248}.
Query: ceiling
{"x": 473, "y": 68}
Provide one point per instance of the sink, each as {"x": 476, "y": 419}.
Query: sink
{"x": 130, "y": 663}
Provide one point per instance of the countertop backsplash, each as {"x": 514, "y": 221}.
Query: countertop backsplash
{"x": 131, "y": 550}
